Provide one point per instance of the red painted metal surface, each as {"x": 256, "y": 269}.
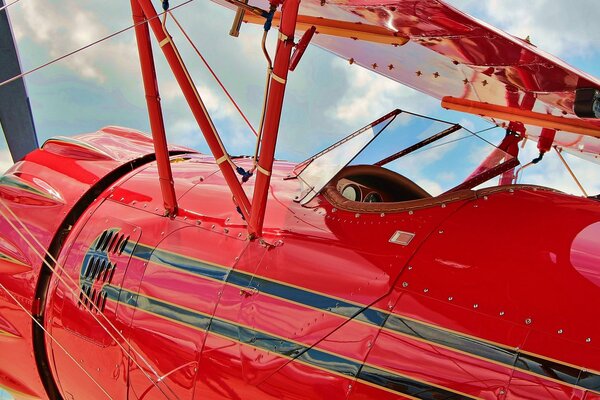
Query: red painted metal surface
{"x": 218, "y": 316}
{"x": 494, "y": 297}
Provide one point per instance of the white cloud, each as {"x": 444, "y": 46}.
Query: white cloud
{"x": 552, "y": 173}
{"x": 370, "y": 95}
{"x": 63, "y": 27}
{"x": 5, "y": 160}
{"x": 560, "y": 27}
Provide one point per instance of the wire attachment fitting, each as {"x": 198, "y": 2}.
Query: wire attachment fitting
{"x": 245, "y": 174}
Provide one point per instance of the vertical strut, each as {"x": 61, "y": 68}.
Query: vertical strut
{"x": 157, "y": 124}
{"x": 285, "y": 44}
{"x": 196, "y": 106}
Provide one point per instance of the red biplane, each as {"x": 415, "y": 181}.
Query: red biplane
{"x": 133, "y": 269}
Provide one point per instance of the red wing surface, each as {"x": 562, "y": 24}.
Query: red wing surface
{"x": 438, "y": 50}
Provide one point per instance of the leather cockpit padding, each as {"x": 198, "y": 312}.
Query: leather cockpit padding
{"x": 393, "y": 185}
{"x": 507, "y": 188}
{"x": 337, "y": 200}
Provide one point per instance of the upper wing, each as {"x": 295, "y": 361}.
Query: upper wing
{"x": 436, "y": 49}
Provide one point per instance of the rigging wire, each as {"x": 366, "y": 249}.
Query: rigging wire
{"x": 471, "y": 135}
{"x": 194, "y": 89}
{"x": 22, "y": 307}
{"x": 562, "y": 159}
{"x": 213, "y": 73}
{"x": 266, "y": 95}
{"x": 4, "y": 7}
{"x": 74, "y": 292}
{"x": 23, "y": 74}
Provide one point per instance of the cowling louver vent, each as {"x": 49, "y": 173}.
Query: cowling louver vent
{"x": 98, "y": 269}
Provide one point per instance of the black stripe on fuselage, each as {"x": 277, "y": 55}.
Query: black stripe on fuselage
{"x": 424, "y": 332}
{"x": 285, "y": 348}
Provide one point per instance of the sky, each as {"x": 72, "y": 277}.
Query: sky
{"x": 326, "y": 97}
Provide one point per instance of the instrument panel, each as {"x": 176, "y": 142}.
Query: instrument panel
{"x": 356, "y": 192}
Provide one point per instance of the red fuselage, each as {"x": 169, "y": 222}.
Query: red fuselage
{"x": 492, "y": 294}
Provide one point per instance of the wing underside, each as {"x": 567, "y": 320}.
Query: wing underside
{"x": 438, "y": 50}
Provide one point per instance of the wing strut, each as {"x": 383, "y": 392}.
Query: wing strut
{"x": 15, "y": 110}
{"x": 157, "y": 124}
{"x": 285, "y": 44}
{"x": 252, "y": 213}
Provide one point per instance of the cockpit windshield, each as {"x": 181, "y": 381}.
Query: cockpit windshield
{"x": 437, "y": 155}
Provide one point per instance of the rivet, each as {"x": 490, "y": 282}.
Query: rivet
{"x": 226, "y": 230}
{"x": 443, "y": 205}
{"x": 485, "y": 197}
{"x": 410, "y": 213}
{"x": 419, "y": 73}
{"x": 436, "y": 74}
{"x": 133, "y": 203}
{"x": 185, "y": 218}
{"x": 440, "y": 231}
{"x": 475, "y": 305}
{"x": 374, "y": 65}
{"x": 485, "y": 82}
{"x": 466, "y": 81}
{"x": 334, "y": 209}
{"x": 560, "y": 331}
{"x": 502, "y": 391}
{"x": 198, "y": 222}
{"x": 212, "y": 226}
{"x": 425, "y": 290}
{"x": 382, "y": 215}
{"x": 122, "y": 198}
{"x": 156, "y": 209}
{"x": 356, "y": 215}
{"x": 501, "y": 313}
{"x": 145, "y": 205}
{"x": 404, "y": 284}
{"x": 351, "y": 61}
{"x": 588, "y": 340}
{"x": 391, "y": 67}
{"x": 528, "y": 321}
{"x": 112, "y": 195}
{"x": 240, "y": 234}
{"x": 450, "y": 298}
{"x": 162, "y": 234}
{"x": 410, "y": 267}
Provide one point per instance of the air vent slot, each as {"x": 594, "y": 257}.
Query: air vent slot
{"x": 99, "y": 270}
